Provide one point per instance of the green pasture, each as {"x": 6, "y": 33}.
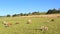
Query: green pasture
{"x": 32, "y": 28}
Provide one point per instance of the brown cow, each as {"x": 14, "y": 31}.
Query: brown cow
{"x": 17, "y": 23}
{"x": 7, "y": 24}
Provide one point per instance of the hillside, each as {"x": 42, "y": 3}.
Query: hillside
{"x": 48, "y": 15}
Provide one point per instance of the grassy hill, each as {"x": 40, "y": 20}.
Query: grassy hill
{"x": 32, "y": 28}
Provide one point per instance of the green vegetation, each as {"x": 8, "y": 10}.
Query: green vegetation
{"x": 50, "y": 11}
{"x": 53, "y": 11}
{"x": 32, "y": 28}
{"x": 8, "y": 15}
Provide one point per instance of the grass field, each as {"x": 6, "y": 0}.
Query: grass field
{"x": 32, "y": 28}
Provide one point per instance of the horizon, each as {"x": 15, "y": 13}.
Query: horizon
{"x": 25, "y": 6}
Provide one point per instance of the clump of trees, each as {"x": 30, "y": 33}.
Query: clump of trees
{"x": 53, "y": 11}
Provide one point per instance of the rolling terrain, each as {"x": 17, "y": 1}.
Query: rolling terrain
{"x": 33, "y": 27}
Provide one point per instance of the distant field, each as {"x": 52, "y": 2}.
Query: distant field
{"x": 32, "y": 28}
{"x": 48, "y": 15}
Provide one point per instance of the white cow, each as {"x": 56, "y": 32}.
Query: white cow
{"x": 43, "y": 28}
{"x": 29, "y": 21}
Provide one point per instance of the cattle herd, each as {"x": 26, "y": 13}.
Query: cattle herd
{"x": 42, "y": 28}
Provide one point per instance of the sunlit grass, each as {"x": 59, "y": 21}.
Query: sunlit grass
{"x": 32, "y": 28}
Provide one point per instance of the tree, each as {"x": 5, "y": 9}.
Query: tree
{"x": 14, "y": 15}
{"x": 21, "y": 14}
{"x": 52, "y": 11}
{"x": 8, "y": 15}
{"x": 25, "y": 14}
{"x": 35, "y": 13}
{"x": 29, "y": 13}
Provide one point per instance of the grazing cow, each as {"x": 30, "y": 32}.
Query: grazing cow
{"x": 9, "y": 23}
{"x": 43, "y": 28}
{"x": 6, "y": 24}
{"x": 52, "y": 19}
{"x": 29, "y": 21}
{"x": 17, "y": 23}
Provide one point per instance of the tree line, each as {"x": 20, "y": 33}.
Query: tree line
{"x": 50, "y": 11}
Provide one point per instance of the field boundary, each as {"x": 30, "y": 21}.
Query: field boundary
{"x": 49, "y": 15}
